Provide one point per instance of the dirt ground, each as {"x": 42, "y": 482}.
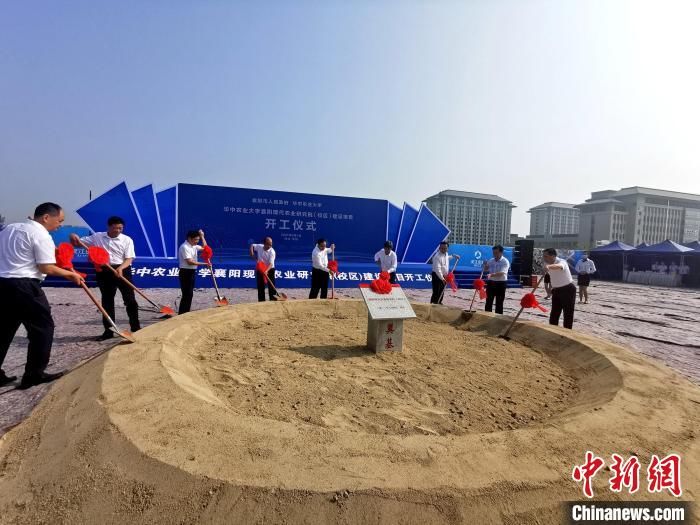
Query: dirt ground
{"x": 251, "y": 415}
{"x": 660, "y": 323}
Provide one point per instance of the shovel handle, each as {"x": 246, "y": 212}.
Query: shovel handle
{"x": 521, "y": 308}
{"x": 131, "y": 285}
{"x": 216, "y": 287}
{"x": 474, "y": 296}
{"x": 99, "y": 307}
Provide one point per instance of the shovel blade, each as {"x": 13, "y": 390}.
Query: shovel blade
{"x": 221, "y": 302}
{"x": 125, "y": 334}
{"x": 166, "y": 310}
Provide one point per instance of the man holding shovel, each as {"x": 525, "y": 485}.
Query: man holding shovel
{"x": 563, "y": 289}
{"x": 441, "y": 267}
{"x": 187, "y": 258}
{"x": 120, "y": 248}
{"x": 27, "y": 256}
{"x": 497, "y": 278}
{"x": 265, "y": 253}
{"x": 319, "y": 271}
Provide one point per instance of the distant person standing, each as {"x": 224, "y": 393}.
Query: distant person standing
{"x": 320, "y": 271}
{"x": 266, "y": 253}
{"x": 563, "y": 289}
{"x": 187, "y": 259}
{"x": 584, "y": 268}
{"x": 441, "y": 267}
{"x": 661, "y": 267}
{"x": 387, "y": 261}
{"x": 497, "y": 279}
{"x": 27, "y": 256}
{"x": 120, "y": 248}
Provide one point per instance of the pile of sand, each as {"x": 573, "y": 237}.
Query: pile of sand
{"x": 276, "y": 413}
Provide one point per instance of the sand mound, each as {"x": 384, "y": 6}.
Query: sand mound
{"x": 271, "y": 412}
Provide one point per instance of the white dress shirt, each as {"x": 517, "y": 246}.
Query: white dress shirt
{"x": 188, "y": 251}
{"x": 119, "y": 248}
{"x": 496, "y": 266}
{"x": 561, "y": 277}
{"x": 319, "y": 258}
{"x": 585, "y": 267}
{"x": 441, "y": 264}
{"x": 266, "y": 256}
{"x": 388, "y": 262}
{"x": 24, "y": 245}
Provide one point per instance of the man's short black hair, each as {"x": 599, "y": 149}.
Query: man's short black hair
{"x": 320, "y": 241}
{"x": 550, "y": 251}
{"x": 389, "y": 244}
{"x": 498, "y": 248}
{"x": 47, "y": 208}
{"x": 191, "y": 234}
{"x": 445, "y": 243}
{"x": 115, "y": 220}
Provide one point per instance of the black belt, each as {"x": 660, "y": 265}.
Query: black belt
{"x": 565, "y": 286}
{"x": 32, "y": 279}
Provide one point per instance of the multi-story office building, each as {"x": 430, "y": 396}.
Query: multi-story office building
{"x": 473, "y": 218}
{"x": 635, "y": 215}
{"x": 554, "y": 225}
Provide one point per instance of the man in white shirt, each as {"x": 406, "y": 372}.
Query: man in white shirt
{"x": 563, "y": 289}
{"x": 121, "y": 254}
{"x": 497, "y": 279}
{"x": 266, "y": 253}
{"x": 584, "y": 268}
{"x": 441, "y": 267}
{"x": 661, "y": 267}
{"x": 320, "y": 272}
{"x": 387, "y": 261}
{"x": 27, "y": 256}
{"x": 187, "y": 261}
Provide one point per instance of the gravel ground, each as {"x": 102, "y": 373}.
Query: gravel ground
{"x": 659, "y": 323}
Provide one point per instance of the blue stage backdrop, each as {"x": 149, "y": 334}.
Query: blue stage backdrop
{"x": 233, "y": 218}
{"x": 473, "y": 256}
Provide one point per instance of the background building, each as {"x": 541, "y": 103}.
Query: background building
{"x": 473, "y": 218}
{"x": 554, "y": 225}
{"x": 635, "y": 215}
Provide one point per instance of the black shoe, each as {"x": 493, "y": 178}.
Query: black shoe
{"x": 28, "y": 382}
{"x": 108, "y": 334}
{"x": 273, "y": 298}
{"x": 5, "y": 379}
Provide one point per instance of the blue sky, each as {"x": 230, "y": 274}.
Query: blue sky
{"x": 531, "y": 100}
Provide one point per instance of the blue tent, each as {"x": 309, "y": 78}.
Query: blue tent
{"x": 613, "y": 247}
{"x": 642, "y": 245}
{"x": 664, "y": 248}
{"x": 695, "y": 245}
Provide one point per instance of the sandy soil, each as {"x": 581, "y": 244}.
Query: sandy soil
{"x": 271, "y": 369}
{"x": 149, "y": 432}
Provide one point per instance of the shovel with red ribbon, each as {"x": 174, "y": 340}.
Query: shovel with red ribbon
{"x": 528, "y": 301}
{"x": 260, "y": 267}
{"x": 450, "y": 281}
{"x": 480, "y": 288}
{"x": 333, "y": 271}
{"x": 100, "y": 258}
{"x": 207, "y": 254}
{"x": 64, "y": 259}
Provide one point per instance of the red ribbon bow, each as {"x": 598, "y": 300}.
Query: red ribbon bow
{"x": 530, "y": 301}
{"x": 381, "y": 285}
{"x": 450, "y": 278}
{"x": 64, "y": 258}
{"x": 207, "y": 254}
{"x": 260, "y": 267}
{"x": 333, "y": 266}
{"x": 98, "y": 256}
{"x": 480, "y": 286}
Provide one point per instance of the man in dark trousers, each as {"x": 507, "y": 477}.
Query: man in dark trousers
{"x": 441, "y": 267}
{"x": 496, "y": 279}
{"x": 563, "y": 289}
{"x": 266, "y": 253}
{"x": 27, "y": 256}
{"x": 187, "y": 262}
{"x": 320, "y": 271}
{"x": 121, "y": 254}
